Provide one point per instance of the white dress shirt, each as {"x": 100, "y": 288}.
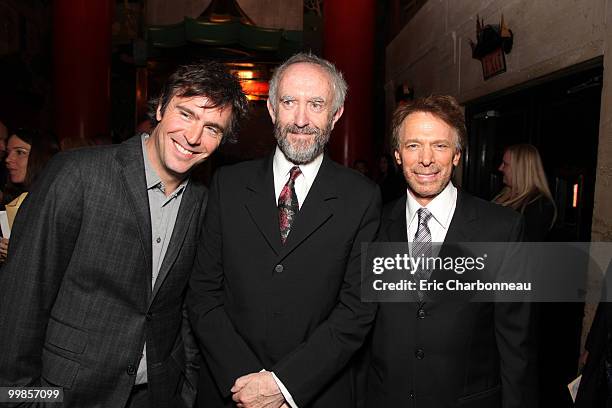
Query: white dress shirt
{"x": 442, "y": 208}
{"x": 303, "y": 182}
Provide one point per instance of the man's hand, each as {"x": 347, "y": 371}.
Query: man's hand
{"x": 257, "y": 390}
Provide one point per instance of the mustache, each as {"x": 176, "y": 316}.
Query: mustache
{"x": 306, "y": 130}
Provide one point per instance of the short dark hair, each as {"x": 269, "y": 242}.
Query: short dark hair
{"x": 444, "y": 107}
{"x": 210, "y": 79}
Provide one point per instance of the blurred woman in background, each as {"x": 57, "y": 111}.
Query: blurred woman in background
{"x": 27, "y": 153}
{"x": 526, "y": 190}
{"x": 557, "y": 325}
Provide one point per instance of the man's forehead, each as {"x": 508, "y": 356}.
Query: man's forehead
{"x": 306, "y": 73}
{"x": 426, "y": 122}
{"x": 201, "y": 101}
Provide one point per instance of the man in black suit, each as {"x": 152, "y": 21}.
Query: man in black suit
{"x": 441, "y": 353}
{"x": 92, "y": 294}
{"x": 275, "y": 295}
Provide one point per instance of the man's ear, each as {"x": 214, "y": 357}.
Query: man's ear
{"x": 398, "y": 158}
{"x": 271, "y": 110}
{"x": 158, "y": 114}
{"x": 456, "y": 158}
{"x": 337, "y": 115}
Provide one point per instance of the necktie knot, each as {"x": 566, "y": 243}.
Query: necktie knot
{"x": 294, "y": 173}
{"x": 424, "y": 216}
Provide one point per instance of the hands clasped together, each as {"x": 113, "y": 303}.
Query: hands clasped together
{"x": 258, "y": 390}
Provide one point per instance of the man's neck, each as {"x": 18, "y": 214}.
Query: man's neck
{"x": 170, "y": 183}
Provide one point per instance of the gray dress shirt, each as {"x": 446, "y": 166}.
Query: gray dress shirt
{"x": 164, "y": 210}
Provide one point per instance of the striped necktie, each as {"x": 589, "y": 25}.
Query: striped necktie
{"x": 421, "y": 246}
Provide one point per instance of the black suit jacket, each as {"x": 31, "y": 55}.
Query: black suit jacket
{"x": 453, "y": 354}
{"x": 593, "y": 390}
{"x": 75, "y": 294}
{"x": 292, "y": 309}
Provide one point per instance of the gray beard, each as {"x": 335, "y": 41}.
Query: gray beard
{"x": 301, "y": 153}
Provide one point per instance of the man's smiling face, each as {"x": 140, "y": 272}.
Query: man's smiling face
{"x": 187, "y": 133}
{"x": 427, "y": 154}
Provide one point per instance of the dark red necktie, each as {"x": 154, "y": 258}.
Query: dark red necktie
{"x": 288, "y": 205}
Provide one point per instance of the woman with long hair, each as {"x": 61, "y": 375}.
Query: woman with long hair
{"x": 526, "y": 190}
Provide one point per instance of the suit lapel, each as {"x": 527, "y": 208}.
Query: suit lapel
{"x": 460, "y": 228}
{"x": 261, "y": 204}
{"x": 189, "y": 202}
{"x": 316, "y": 209}
{"x": 130, "y": 159}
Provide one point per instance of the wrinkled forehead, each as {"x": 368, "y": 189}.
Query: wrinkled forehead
{"x": 306, "y": 75}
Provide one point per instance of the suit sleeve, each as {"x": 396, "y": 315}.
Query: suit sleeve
{"x": 40, "y": 248}
{"x": 514, "y": 333}
{"x": 308, "y": 369}
{"x": 225, "y": 352}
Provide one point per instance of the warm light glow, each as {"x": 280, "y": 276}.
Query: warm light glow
{"x": 575, "y": 200}
{"x": 245, "y": 74}
{"x": 255, "y": 90}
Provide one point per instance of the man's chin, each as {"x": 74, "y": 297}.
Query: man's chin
{"x": 298, "y": 157}
{"x": 426, "y": 191}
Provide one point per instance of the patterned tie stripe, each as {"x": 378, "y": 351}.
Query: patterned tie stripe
{"x": 422, "y": 244}
{"x": 288, "y": 205}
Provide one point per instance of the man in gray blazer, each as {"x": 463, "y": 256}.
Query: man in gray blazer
{"x": 91, "y": 297}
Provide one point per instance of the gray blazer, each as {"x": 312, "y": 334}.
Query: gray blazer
{"x": 75, "y": 297}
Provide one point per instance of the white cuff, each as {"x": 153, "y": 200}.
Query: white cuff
{"x": 284, "y": 391}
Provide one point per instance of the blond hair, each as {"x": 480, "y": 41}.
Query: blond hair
{"x": 528, "y": 179}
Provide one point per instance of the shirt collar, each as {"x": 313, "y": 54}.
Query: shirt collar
{"x": 440, "y": 207}
{"x": 152, "y": 178}
{"x": 309, "y": 170}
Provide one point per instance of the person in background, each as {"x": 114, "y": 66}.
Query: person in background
{"x": 526, "y": 190}
{"x": 558, "y": 324}
{"x": 28, "y": 151}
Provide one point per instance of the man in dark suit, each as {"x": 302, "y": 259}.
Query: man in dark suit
{"x": 274, "y": 299}
{"x": 442, "y": 353}
{"x": 92, "y": 295}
